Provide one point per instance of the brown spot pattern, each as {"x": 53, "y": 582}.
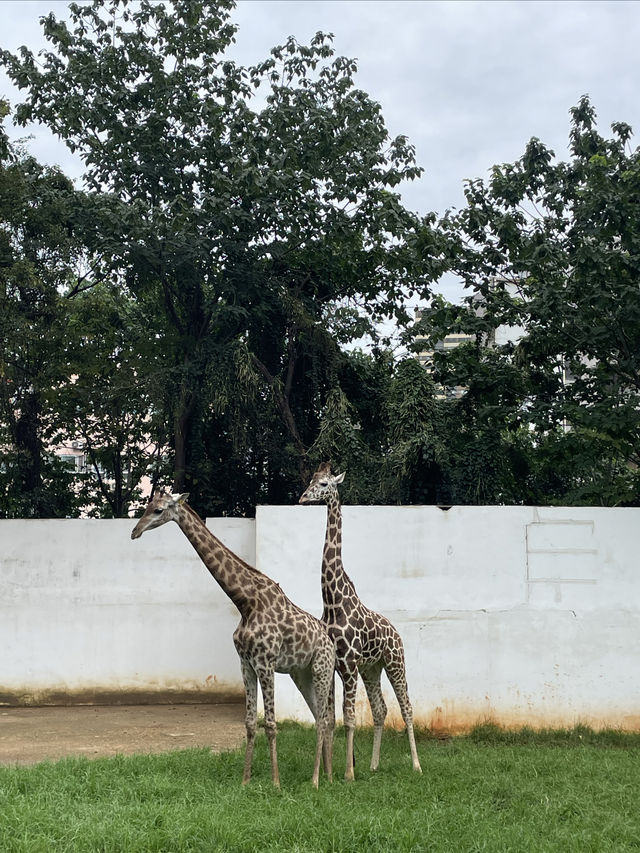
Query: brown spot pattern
{"x": 366, "y": 642}
{"x": 274, "y": 635}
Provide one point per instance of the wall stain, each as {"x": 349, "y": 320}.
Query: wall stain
{"x": 210, "y": 692}
{"x": 453, "y": 718}
{"x": 449, "y": 717}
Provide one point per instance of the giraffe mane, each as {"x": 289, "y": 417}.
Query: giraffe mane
{"x": 192, "y": 511}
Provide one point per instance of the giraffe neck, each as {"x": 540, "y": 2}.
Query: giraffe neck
{"x": 240, "y": 581}
{"x": 336, "y": 583}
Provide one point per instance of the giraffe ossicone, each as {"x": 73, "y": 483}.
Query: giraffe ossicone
{"x": 366, "y": 642}
{"x": 274, "y": 635}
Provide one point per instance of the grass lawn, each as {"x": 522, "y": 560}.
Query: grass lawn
{"x": 523, "y": 792}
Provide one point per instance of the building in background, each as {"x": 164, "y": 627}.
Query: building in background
{"x": 73, "y": 456}
{"x": 76, "y": 459}
{"x": 425, "y": 357}
{"x": 500, "y": 336}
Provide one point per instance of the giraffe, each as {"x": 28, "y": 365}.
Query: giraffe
{"x": 274, "y": 635}
{"x": 366, "y": 642}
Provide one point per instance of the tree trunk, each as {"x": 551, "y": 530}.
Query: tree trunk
{"x": 282, "y": 402}
{"x": 29, "y": 447}
{"x": 183, "y": 421}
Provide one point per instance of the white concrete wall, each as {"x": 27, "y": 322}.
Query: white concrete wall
{"x": 520, "y": 614}
{"x": 85, "y": 612}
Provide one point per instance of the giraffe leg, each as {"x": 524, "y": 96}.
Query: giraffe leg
{"x": 350, "y": 684}
{"x": 371, "y": 678}
{"x": 327, "y": 749}
{"x": 251, "y": 715}
{"x": 323, "y": 672}
{"x": 265, "y": 674}
{"x": 398, "y": 679}
{"x": 302, "y": 678}
{"x": 314, "y": 695}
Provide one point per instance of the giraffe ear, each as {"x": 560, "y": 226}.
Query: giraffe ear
{"x": 340, "y": 477}
{"x": 180, "y": 499}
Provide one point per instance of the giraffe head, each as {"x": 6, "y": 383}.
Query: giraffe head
{"x": 162, "y": 507}
{"x": 323, "y": 486}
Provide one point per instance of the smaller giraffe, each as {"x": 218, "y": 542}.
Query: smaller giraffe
{"x": 274, "y": 635}
{"x": 366, "y": 642}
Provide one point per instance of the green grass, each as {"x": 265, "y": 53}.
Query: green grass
{"x": 492, "y": 790}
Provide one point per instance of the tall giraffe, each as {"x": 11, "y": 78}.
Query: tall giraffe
{"x": 366, "y": 642}
{"x": 273, "y": 635}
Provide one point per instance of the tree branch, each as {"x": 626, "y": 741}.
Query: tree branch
{"x": 282, "y": 403}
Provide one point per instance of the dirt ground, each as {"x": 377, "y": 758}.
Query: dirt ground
{"x": 29, "y": 735}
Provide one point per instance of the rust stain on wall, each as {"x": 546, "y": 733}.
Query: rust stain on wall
{"x": 451, "y": 718}
{"x": 459, "y": 719}
{"x": 447, "y": 718}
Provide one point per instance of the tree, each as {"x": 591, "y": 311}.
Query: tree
{"x": 552, "y": 251}
{"x": 253, "y": 207}
{"x": 108, "y": 400}
{"x": 415, "y": 456}
{"x": 41, "y": 261}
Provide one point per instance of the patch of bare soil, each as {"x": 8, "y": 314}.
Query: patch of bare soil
{"x": 29, "y": 735}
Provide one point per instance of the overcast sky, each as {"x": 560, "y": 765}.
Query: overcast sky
{"x": 468, "y": 81}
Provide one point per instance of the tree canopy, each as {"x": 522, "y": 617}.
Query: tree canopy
{"x": 40, "y": 259}
{"x": 550, "y": 254}
{"x": 193, "y": 313}
{"x": 250, "y": 211}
